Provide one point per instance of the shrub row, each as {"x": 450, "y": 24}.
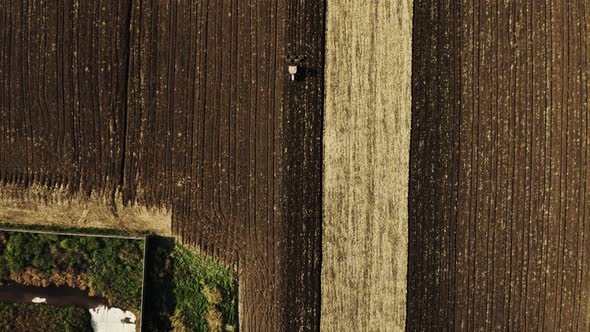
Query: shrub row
{"x": 109, "y": 267}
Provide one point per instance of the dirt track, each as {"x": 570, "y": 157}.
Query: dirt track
{"x": 498, "y": 228}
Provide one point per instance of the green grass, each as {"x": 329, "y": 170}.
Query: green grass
{"x": 185, "y": 282}
{"x": 43, "y": 318}
{"x": 195, "y": 278}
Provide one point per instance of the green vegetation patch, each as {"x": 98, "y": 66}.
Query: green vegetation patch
{"x": 108, "y": 267}
{"x": 43, "y": 318}
{"x": 205, "y": 292}
{"x": 186, "y": 291}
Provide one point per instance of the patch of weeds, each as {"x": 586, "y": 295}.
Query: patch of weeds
{"x": 109, "y": 267}
{"x": 43, "y": 318}
{"x": 201, "y": 293}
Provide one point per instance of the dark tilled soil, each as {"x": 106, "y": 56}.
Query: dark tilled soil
{"x": 181, "y": 105}
{"x": 498, "y": 227}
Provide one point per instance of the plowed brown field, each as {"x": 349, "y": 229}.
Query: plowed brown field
{"x": 181, "y": 107}
{"x": 498, "y": 226}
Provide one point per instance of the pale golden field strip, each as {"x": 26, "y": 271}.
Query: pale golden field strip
{"x": 366, "y": 156}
